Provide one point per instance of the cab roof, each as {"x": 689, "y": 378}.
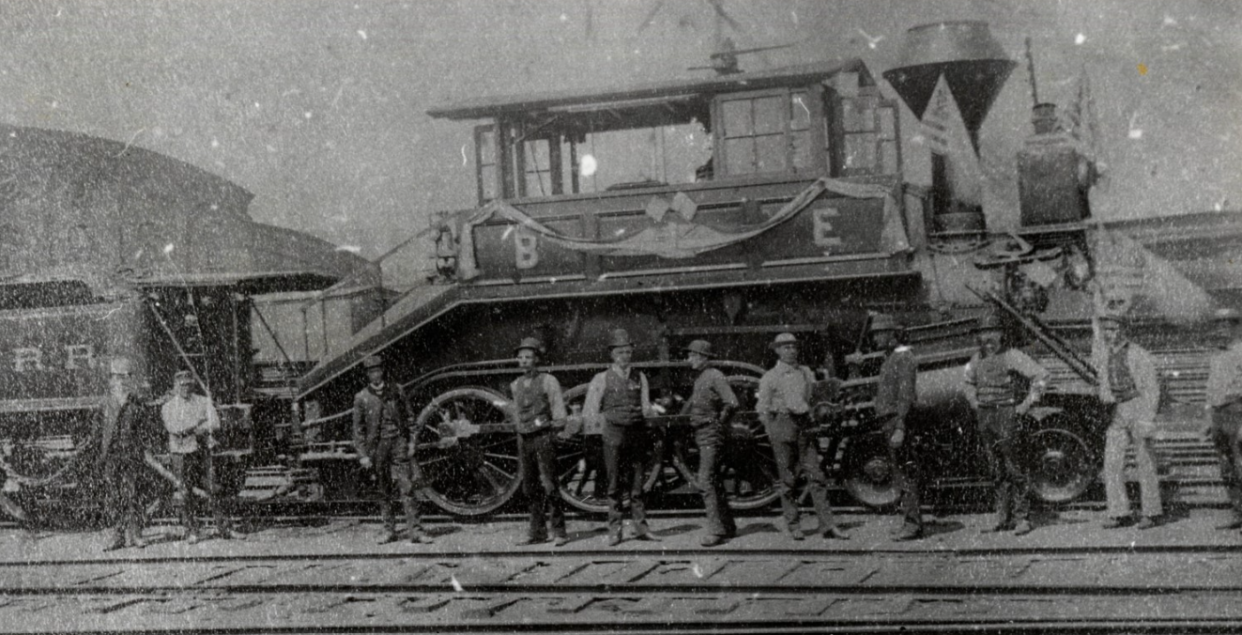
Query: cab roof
{"x": 639, "y": 94}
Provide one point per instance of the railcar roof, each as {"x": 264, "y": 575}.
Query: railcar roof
{"x": 487, "y": 107}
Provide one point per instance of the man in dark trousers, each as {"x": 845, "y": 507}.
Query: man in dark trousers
{"x": 783, "y": 405}
{"x": 121, "y": 455}
{"x": 992, "y": 389}
{"x": 711, "y": 406}
{"x": 895, "y": 396}
{"x": 190, "y": 419}
{"x": 383, "y": 433}
{"x": 539, "y": 402}
{"x": 1224, "y": 399}
{"x": 622, "y": 398}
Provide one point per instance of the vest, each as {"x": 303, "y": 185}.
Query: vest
{"x": 390, "y": 412}
{"x": 704, "y": 403}
{"x": 532, "y": 405}
{"x": 622, "y": 403}
{"x": 993, "y": 381}
{"x": 1119, "y": 378}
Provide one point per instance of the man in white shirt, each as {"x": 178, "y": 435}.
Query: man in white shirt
{"x": 190, "y": 419}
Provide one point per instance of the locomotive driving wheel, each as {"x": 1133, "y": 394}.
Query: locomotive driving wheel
{"x": 580, "y": 464}
{"x": 467, "y": 451}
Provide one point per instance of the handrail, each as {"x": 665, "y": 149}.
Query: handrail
{"x": 1045, "y": 335}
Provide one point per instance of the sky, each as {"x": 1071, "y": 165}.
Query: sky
{"x": 318, "y": 106}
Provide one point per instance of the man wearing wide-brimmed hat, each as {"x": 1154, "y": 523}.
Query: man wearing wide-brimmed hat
{"x": 1224, "y": 399}
{"x": 382, "y": 433}
{"x": 621, "y": 396}
{"x": 538, "y": 403}
{"x": 1130, "y": 384}
{"x": 783, "y": 405}
{"x": 121, "y": 454}
{"x": 711, "y": 406}
{"x": 895, "y": 396}
{"x": 992, "y": 389}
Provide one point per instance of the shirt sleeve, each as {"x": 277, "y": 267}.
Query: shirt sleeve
{"x": 174, "y": 423}
{"x": 213, "y": 415}
{"x": 723, "y": 389}
{"x": 642, "y": 379}
{"x": 763, "y": 397}
{"x": 970, "y": 387}
{"x": 555, "y": 396}
{"x": 906, "y": 378}
{"x": 595, "y": 394}
{"x": 359, "y": 433}
{"x": 1022, "y": 363}
{"x": 1219, "y": 376}
{"x": 1147, "y": 380}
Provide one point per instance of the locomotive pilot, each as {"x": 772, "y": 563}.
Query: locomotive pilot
{"x": 783, "y": 405}
{"x": 894, "y": 398}
{"x": 383, "y": 435}
{"x": 622, "y": 398}
{"x": 190, "y": 419}
{"x": 711, "y": 406}
{"x": 125, "y": 423}
{"x": 991, "y": 388}
{"x": 1129, "y": 383}
{"x": 1224, "y": 398}
{"x": 537, "y": 396}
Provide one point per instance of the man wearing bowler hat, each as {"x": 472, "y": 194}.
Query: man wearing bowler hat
{"x": 1224, "y": 399}
{"x": 783, "y": 405}
{"x": 895, "y": 396}
{"x": 539, "y": 402}
{"x": 1130, "y": 384}
{"x": 121, "y": 453}
{"x": 622, "y": 398}
{"x": 383, "y": 432}
{"x": 992, "y": 388}
{"x": 711, "y": 406}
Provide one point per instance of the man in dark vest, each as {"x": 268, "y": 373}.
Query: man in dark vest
{"x": 1224, "y": 399}
{"x": 539, "y": 402}
{"x": 895, "y": 396}
{"x": 783, "y": 405}
{"x": 992, "y": 390}
{"x": 711, "y": 406}
{"x": 622, "y": 398}
{"x": 125, "y": 426}
{"x": 383, "y": 437}
{"x": 1128, "y": 382}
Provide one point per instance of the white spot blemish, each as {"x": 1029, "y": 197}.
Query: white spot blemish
{"x": 1169, "y": 21}
{"x": 508, "y": 230}
{"x": 564, "y": 18}
{"x": 215, "y": 143}
{"x": 698, "y": 572}
{"x": 456, "y": 585}
{"x": 1079, "y": 39}
{"x": 308, "y": 114}
{"x": 168, "y": 249}
{"x": 463, "y": 155}
{"x": 353, "y": 249}
{"x": 587, "y": 165}
{"x": 362, "y": 34}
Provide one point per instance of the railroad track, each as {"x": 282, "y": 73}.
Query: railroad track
{"x": 1187, "y": 589}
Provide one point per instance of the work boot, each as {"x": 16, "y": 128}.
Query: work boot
{"x": 835, "y": 532}
{"x": 614, "y": 539}
{"x": 1113, "y": 523}
{"x": 193, "y": 538}
{"x": 1236, "y": 523}
{"x": 389, "y": 538}
{"x": 909, "y": 532}
{"x": 531, "y": 540}
{"x": 999, "y": 527}
{"x": 1147, "y": 522}
{"x": 561, "y": 540}
{"x": 647, "y": 535}
{"x": 420, "y": 538}
{"x": 711, "y": 540}
{"x": 118, "y": 542}
{"x": 1024, "y": 527}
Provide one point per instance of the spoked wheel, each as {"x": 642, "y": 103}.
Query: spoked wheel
{"x": 1060, "y": 464}
{"x": 869, "y": 472}
{"x": 749, "y": 468}
{"x": 580, "y": 464}
{"x": 479, "y": 473}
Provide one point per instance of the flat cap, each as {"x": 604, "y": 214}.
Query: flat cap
{"x": 702, "y": 347}
{"x": 372, "y": 361}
